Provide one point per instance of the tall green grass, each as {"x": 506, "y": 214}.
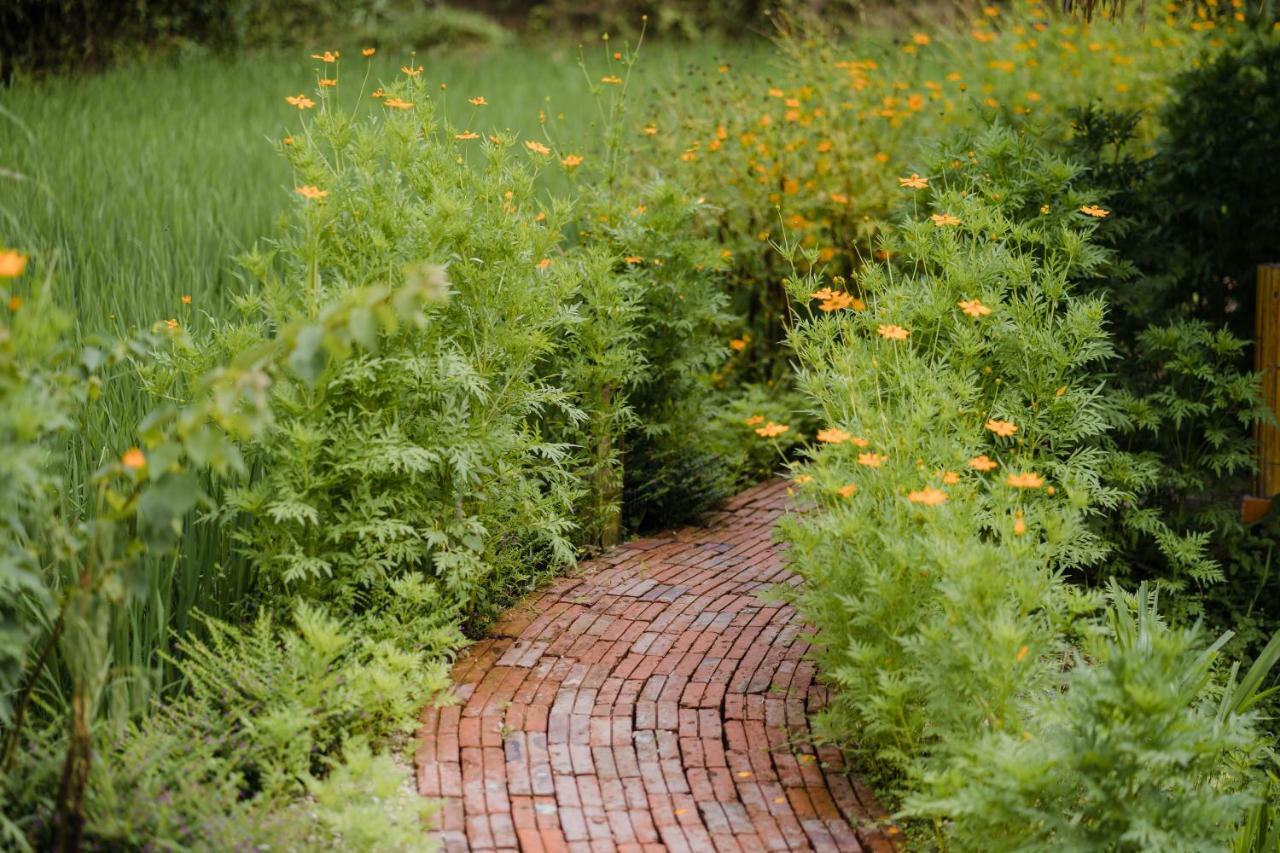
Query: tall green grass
{"x": 141, "y": 185}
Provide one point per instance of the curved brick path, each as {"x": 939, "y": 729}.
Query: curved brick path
{"x": 653, "y": 702}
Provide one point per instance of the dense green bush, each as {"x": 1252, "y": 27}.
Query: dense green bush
{"x": 964, "y": 468}
{"x": 40, "y": 36}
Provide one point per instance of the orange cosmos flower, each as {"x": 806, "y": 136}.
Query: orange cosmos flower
{"x": 1004, "y": 429}
{"x": 983, "y": 463}
{"x": 754, "y": 419}
{"x": 478, "y": 102}
{"x": 891, "y": 332}
{"x": 1022, "y": 653}
{"x": 776, "y": 93}
{"x": 302, "y": 102}
{"x": 771, "y": 430}
{"x": 378, "y": 92}
{"x": 327, "y": 56}
{"x": 944, "y": 219}
{"x": 838, "y": 301}
{"x": 974, "y": 308}
{"x": 847, "y": 491}
{"x": 921, "y": 38}
{"x": 171, "y": 324}
{"x": 369, "y": 51}
{"x": 871, "y": 460}
{"x": 833, "y": 435}
{"x": 1025, "y": 480}
{"x": 544, "y": 263}
{"x": 537, "y": 147}
{"x": 327, "y": 83}
{"x": 738, "y": 344}
{"x": 398, "y": 104}
{"x": 915, "y": 182}
{"x": 650, "y": 129}
{"x": 467, "y": 135}
{"x": 634, "y": 259}
{"x": 134, "y": 459}
{"x": 571, "y": 161}
{"x": 801, "y": 479}
{"x": 1095, "y": 211}
{"x": 1019, "y": 528}
{"x": 15, "y": 304}
{"x": 928, "y": 496}
{"x": 410, "y": 70}
{"x": 310, "y": 192}
{"x": 612, "y": 79}
{"x": 12, "y": 263}
{"x": 186, "y": 300}
{"x": 950, "y": 478}
{"x": 288, "y": 140}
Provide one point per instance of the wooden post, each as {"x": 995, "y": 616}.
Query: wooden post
{"x": 1266, "y": 361}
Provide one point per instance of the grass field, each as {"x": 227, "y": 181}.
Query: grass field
{"x": 147, "y": 181}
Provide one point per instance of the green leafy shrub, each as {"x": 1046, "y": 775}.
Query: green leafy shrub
{"x": 961, "y": 477}
{"x": 1131, "y": 758}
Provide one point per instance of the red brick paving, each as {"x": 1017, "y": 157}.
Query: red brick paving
{"x": 653, "y": 702}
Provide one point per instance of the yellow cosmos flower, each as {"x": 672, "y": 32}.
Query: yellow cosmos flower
{"x": 891, "y": 332}
{"x": 612, "y": 79}
{"x": 537, "y": 147}
{"x": 833, "y": 435}
{"x": 801, "y": 479}
{"x": 398, "y": 104}
{"x": 310, "y": 192}
{"x": 921, "y": 39}
{"x": 974, "y": 308}
{"x": 944, "y": 219}
{"x": 770, "y": 430}
{"x": 950, "y": 478}
{"x": 544, "y": 263}
{"x": 302, "y": 102}
{"x": 738, "y": 344}
{"x": 754, "y": 419}
{"x": 983, "y": 463}
{"x": 12, "y": 263}
{"x": 839, "y": 300}
{"x": 571, "y": 161}
{"x": 928, "y": 496}
{"x": 467, "y": 135}
{"x": 1004, "y": 429}
{"x": 847, "y": 491}
{"x": 1095, "y": 211}
{"x": 410, "y": 70}
{"x": 478, "y": 102}
{"x": 327, "y": 83}
{"x": 915, "y": 182}
{"x": 327, "y": 56}
{"x": 186, "y": 300}
{"x": 634, "y": 259}
{"x": 871, "y": 460}
{"x": 369, "y": 51}
{"x": 1025, "y": 480}
{"x": 134, "y": 459}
